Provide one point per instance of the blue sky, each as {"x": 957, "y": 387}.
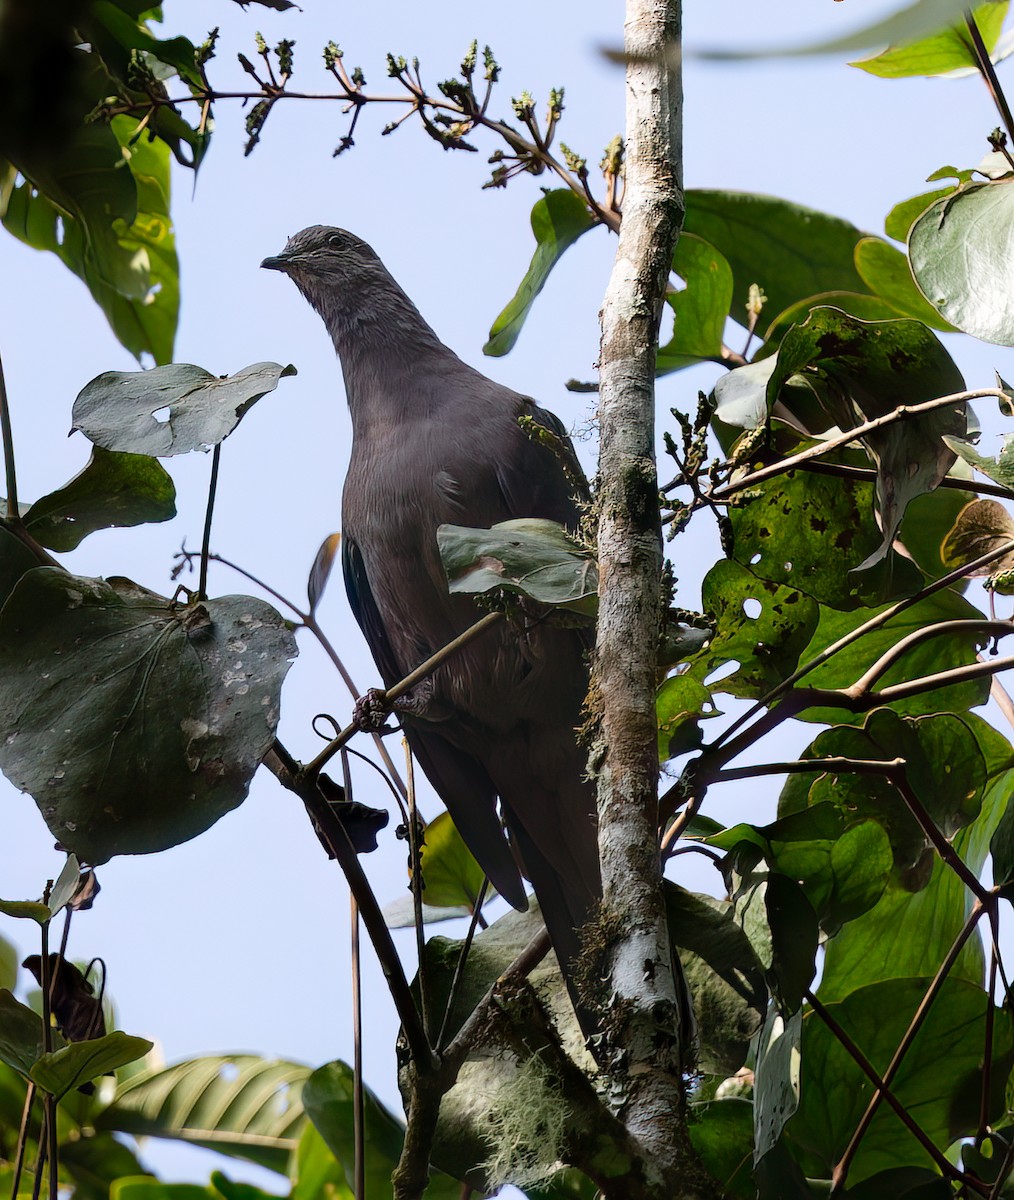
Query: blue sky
{"x": 238, "y": 940}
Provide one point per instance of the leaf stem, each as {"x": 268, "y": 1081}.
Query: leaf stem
{"x": 985, "y": 65}
{"x": 202, "y": 586}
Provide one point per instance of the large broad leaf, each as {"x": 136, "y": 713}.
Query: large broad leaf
{"x": 908, "y": 934}
{"x": 21, "y": 1038}
{"x": 865, "y": 370}
{"x": 237, "y": 1104}
{"x": 960, "y": 260}
{"x": 73, "y": 1065}
{"x": 789, "y": 251}
{"x": 886, "y": 272}
{"x": 721, "y": 1132}
{"x": 117, "y": 410}
{"x": 980, "y": 527}
{"x": 114, "y": 489}
{"x": 946, "y": 50}
{"x": 945, "y": 1103}
{"x": 328, "y": 1100}
{"x": 700, "y": 308}
{"x": 134, "y": 723}
{"x": 927, "y": 657}
{"x": 1000, "y": 468}
{"x": 530, "y": 556}
{"x": 559, "y": 218}
{"x": 776, "y": 1090}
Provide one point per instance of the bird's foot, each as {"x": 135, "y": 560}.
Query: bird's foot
{"x": 370, "y": 712}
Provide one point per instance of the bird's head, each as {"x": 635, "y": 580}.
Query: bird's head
{"x": 344, "y": 280}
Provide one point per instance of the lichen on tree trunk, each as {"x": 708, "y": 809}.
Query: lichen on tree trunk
{"x": 645, "y": 1046}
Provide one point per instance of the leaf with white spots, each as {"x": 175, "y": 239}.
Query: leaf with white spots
{"x": 133, "y": 722}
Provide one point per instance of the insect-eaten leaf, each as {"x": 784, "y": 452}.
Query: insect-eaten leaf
{"x": 133, "y": 722}
{"x": 172, "y": 409}
{"x": 530, "y": 557}
{"x": 114, "y": 489}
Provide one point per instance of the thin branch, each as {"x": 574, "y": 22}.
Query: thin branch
{"x": 295, "y": 779}
{"x": 882, "y": 1087}
{"x": 415, "y": 859}
{"x": 832, "y": 765}
{"x": 459, "y": 966}
{"x": 388, "y": 697}
{"x": 985, "y": 65}
{"x": 902, "y": 413}
{"x": 202, "y": 586}
{"x": 13, "y": 510}
{"x": 844, "y": 471}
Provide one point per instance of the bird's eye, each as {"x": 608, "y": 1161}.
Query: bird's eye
{"x": 337, "y": 242}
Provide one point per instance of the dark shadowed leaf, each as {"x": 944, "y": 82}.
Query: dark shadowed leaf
{"x": 949, "y": 49}
{"x": 776, "y": 1087}
{"x": 865, "y": 370}
{"x": 320, "y": 572}
{"x": 789, "y": 251}
{"x": 531, "y": 556}
{"x": 981, "y": 526}
{"x": 278, "y": 5}
{"x": 760, "y": 625}
{"x": 134, "y": 724}
{"x": 236, "y": 1104}
{"x": 114, "y": 489}
{"x": 700, "y": 308}
{"x": 782, "y": 928}
{"x": 721, "y": 1132}
{"x": 327, "y": 1098}
{"x": 834, "y": 1092}
{"x": 958, "y": 250}
{"x": 927, "y": 521}
{"x": 116, "y": 410}
{"x": 559, "y": 218}
{"x": 81, "y": 1061}
{"x": 21, "y": 1044}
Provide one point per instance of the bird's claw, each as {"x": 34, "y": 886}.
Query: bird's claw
{"x": 370, "y": 712}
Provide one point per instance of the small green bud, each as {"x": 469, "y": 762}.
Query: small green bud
{"x": 469, "y": 61}
{"x": 612, "y": 159}
{"x": 332, "y": 53}
{"x": 260, "y": 43}
{"x": 523, "y": 105}
{"x": 490, "y": 66}
{"x": 206, "y": 50}
{"x": 755, "y": 300}
{"x": 284, "y": 51}
{"x": 575, "y": 163}
{"x": 358, "y": 78}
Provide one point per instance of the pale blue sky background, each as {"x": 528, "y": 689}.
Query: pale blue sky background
{"x": 238, "y": 940}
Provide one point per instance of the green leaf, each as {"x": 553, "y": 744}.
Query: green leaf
{"x": 680, "y": 704}
{"x": 899, "y": 221}
{"x": 776, "y": 1086}
{"x": 8, "y": 964}
{"x": 782, "y": 927}
{"x": 66, "y": 884}
{"x": 811, "y": 532}
{"x": 237, "y": 1104}
{"x": 113, "y": 490}
{"x": 79, "y": 1062}
{"x": 721, "y": 1132}
{"x": 21, "y": 1042}
{"x": 947, "y": 50}
{"x": 834, "y": 1092}
{"x": 999, "y": 469}
{"x": 327, "y": 1097}
{"x": 857, "y": 304}
{"x": 116, "y": 410}
{"x": 927, "y": 657}
{"x": 31, "y": 910}
{"x": 958, "y": 251}
{"x": 134, "y": 723}
{"x": 451, "y": 876}
{"x": 531, "y": 556}
{"x": 908, "y": 935}
{"x": 315, "y": 1172}
{"x": 790, "y": 251}
{"x": 927, "y": 521}
{"x": 559, "y": 218}
{"x": 94, "y": 1162}
{"x": 865, "y": 370}
{"x": 911, "y": 23}
{"x": 146, "y": 1187}
{"x": 700, "y": 308}
{"x": 761, "y": 626}
{"x": 15, "y": 560}
{"x": 885, "y": 271}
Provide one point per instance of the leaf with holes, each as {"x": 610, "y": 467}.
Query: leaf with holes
{"x": 761, "y": 626}
{"x": 681, "y": 703}
{"x": 134, "y": 723}
{"x": 236, "y": 1104}
{"x": 117, "y": 409}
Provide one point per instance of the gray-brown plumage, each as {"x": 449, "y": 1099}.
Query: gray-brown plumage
{"x": 435, "y": 442}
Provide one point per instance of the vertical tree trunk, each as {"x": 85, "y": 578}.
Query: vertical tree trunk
{"x": 645, "y": 1045}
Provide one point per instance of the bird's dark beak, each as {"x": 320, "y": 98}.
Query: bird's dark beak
{"x": 276, "y": 262}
